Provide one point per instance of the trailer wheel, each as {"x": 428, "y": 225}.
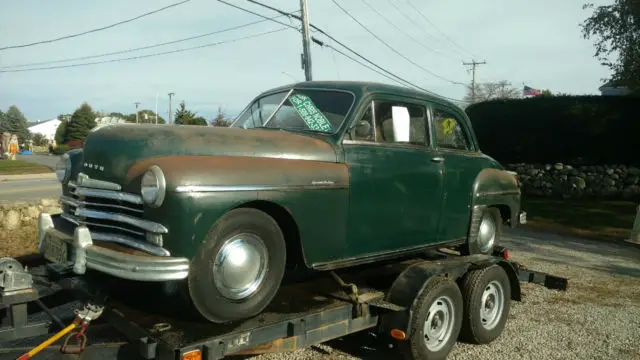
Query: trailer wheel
{"x": 239, "y": 266}
{"x": 436, "y": 321}
{"x": 487, "y": 301}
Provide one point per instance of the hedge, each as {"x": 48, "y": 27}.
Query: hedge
{"x": 588, "y": 130}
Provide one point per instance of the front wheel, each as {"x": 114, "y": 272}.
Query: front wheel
{"x": 487, "y": 235}
{"x": 239, "y": 267}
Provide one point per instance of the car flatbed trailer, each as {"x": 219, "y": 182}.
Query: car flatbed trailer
{"x": 387, "y": 299}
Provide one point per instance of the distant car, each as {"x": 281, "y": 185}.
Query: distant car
{"x": 324, "y": 175}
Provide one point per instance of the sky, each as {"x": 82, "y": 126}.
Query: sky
{"x": 534, "y": 43}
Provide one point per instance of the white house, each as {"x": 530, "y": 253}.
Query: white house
{"x": 46, "y": 127}
{"x": 106, "y": 120}
{"x": 613, "y": 88}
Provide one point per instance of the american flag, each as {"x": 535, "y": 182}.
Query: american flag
{"x": 529, "y": 91}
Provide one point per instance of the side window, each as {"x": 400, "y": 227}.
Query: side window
{"x": 449, "y": 133}
{"x": 400, "y": 123}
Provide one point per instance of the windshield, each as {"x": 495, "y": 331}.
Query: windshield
{"x": 306, "y": 110}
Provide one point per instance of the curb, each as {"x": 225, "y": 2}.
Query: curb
{"x": 46, "y": 176}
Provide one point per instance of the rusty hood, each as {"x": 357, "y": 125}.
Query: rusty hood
{"x": 110, "y": 151}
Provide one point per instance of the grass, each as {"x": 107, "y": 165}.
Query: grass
{"x": 19, "y": 167}
{"x": 19, "y": 242}
{"x": 594, "y": 219}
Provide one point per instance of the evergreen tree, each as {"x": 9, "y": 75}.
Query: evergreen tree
{"x": 61, "y": 131}
{"x": 187, "y": 117}
{"x": 82, "y": 120}
{"x": 13, "y": 121}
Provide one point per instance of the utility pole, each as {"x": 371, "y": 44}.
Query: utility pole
{"x": 170, "y": 95}
{"x": 306, "y": 41}
{"x": 137, "y": 103}
{"x": 473, "y": 65}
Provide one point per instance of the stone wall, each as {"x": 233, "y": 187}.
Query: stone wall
{"x": 566, "y": 181}
{"x": 18, "y": 214}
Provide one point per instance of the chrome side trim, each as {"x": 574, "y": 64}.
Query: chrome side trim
{"x": 214, "y": 188}
{"x": 77, "y": 221}
{"x": 143, "y": 224}
{"x": 82, "y": 203}
{"x": 109, "y": 194}
{"x": 496, "y": 193}
{"x": 86, "y": 181}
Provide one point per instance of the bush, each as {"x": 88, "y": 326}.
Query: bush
{"x": 61, "y": 149}
{"x": 586, "y": 130}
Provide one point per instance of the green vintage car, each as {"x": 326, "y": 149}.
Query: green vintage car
{"x": 319, "y": 175}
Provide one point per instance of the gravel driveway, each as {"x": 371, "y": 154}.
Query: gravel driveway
{"x": 597, "y": 318}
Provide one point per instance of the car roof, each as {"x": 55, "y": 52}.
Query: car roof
{"x": 361, "y": 88}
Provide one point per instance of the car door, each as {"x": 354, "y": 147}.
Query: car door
{"x": 395, "y": 182}
{"x": 461, "y": 166}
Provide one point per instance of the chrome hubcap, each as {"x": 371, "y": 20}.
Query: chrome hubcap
{"x": 439, "y": 323}
{"x": 486, "y": 233}
{"x": 492, "y": 305}
{"x": 240, "y": 266}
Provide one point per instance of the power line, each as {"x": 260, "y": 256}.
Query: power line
{"x": 420, "y": 27}
{"x": 320, "y": 30}
{"x": 265, "y": 17}
{"x": 97, "y": 29}
{"x": 392, "y": 48}
{"x": 139, "y": 48}
{"x": 404, "y": 32}
{"x": 148, "y": 55}
{"x": 440, "y": 31}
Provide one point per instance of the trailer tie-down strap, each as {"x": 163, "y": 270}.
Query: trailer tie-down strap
{"x": 82, "y": 319}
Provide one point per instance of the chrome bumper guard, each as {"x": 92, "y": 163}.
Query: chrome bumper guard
{"x": 84, "y": 254}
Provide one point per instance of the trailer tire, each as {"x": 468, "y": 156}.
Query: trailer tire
{"x": 441, "y": 296}
{"x": 481, "y": 288}
{"x": 259, "y": 239}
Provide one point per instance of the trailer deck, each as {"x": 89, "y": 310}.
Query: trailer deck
{"x": 303, "y": 313}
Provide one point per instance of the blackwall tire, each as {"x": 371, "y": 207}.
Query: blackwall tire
{"x": 487, "y": 302}
{"x": 439, "y": 304}
{"x": 488, "y": 234}
{"x": 239, "y": 267}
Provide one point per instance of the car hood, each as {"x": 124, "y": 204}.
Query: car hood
{"x": 110, "y": 151}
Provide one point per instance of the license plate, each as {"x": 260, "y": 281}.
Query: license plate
{"x": 56, "y": 250}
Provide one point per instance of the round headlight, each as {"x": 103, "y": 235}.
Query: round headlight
{"x": 63, "y": 168}
{"x": 153, "y": 186}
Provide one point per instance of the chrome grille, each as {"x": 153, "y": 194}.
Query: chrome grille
{"x": 112, "y": 215}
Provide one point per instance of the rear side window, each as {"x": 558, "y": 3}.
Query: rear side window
{"x": 450, "y": 134}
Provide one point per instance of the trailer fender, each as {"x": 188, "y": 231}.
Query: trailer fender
{"x": 411, "y": 282}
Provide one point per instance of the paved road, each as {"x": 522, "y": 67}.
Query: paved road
{"x": 30, "y": 189}
{"x": 45, "y": 160}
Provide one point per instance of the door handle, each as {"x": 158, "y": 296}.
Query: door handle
{"x": 437, "y": 159}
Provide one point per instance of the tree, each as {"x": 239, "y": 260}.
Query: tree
{"x": 39, "y": 140}
{"x": 82, "y": 120}
{"x": 220, "y": 120}
{"x": 492, "y": 90}
{"x": 14, "y": 121}
{"x": 61, "y": 131}
{"x": 187, "y": 117}
{"x": 144, "y": 117}
{"x": 616, "y": 29}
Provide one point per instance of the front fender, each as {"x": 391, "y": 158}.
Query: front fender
{"x": 201, "y": 189}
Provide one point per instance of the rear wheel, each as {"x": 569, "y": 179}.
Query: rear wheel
{"x": 488, "y": 234}
{"x": 487, "y": 301}
{"x": 239, "y": 267}
{"x": 436, "y": 321}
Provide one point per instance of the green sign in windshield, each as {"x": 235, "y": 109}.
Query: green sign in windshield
{"x": 314, "y": 119}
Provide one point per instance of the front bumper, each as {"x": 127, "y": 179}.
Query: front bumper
{"x": 79, "y": 252}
